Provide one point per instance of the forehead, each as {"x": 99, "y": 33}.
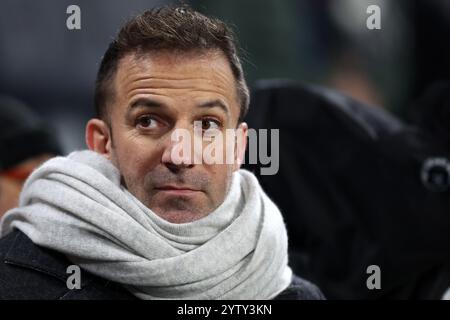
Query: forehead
{"x": 185, "y": 61}
{"x": 176, "y": 74}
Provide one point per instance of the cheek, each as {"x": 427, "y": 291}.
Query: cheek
{"x": 223, "y": 148}
{"x": 221, "y": 178}
{"x": 135, "y": 158}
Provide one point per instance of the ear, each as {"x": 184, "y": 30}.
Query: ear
{"x": 98, "y": 137}
{"x": 241, "y": 144}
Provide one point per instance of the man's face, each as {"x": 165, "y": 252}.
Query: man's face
{"x": 156, "y": 94}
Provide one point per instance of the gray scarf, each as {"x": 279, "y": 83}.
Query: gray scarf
{"x": 77, "y": 206}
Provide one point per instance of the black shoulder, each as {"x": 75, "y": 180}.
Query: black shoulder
{"x": 20, "y": 280}
{"x": 301, "y": 289}
{"x": 30, "y": 272}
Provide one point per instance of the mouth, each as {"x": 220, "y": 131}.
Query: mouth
{"x": 177, "y": 190}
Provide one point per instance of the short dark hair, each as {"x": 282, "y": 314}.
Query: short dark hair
{"x": 169, "y": 28}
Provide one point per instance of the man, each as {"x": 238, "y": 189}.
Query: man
{"x": 138, "y": 220}
{"x": 25, "y": 143}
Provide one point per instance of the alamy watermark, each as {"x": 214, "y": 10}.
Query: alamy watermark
{"x": 374, "y": 280}
{"x": 73, "y": 21}
{"x": 73, "y": 281}
{"x": 374, "y": 20}
{"x": 213, "y": 146}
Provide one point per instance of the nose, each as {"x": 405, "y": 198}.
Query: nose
{"x": 178, "y": 151}
{"x": 177, "y": 167}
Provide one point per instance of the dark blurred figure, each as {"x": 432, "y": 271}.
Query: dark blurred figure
{"x": 432, "y": 112}
{"x": 25, "y": 143}
{"x": 360, "y": 188}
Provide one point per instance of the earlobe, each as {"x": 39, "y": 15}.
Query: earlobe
{"x": 98, "y": 137}
{"x": 241, "y": 144}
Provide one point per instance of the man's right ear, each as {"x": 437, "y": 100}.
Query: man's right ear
{"x": 98, "y": 137}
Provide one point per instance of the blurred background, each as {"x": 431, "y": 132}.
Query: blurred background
{"x": 323, "y": 41}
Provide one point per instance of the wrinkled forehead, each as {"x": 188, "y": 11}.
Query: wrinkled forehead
{"x": 193, "y": 74}
{"x": 202, "y": 69}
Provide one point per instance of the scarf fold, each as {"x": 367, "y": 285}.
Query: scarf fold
{"x": 76, "y": 205}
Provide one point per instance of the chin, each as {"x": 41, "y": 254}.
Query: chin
{"x": 179, "y": 216}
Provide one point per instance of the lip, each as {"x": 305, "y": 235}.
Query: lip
{"x": 177, "y": 190}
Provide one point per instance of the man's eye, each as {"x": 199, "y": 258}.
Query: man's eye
{"x": 146, "y": 122}
{"x": 208, "y": 124}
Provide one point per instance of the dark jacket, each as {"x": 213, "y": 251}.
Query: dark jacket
{"x": 30, "y": 272}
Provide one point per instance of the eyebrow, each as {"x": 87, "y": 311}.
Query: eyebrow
{"x": 149, "y": 103}
{"x": 215, "y": 103}
{"x": 146, "y": 102}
